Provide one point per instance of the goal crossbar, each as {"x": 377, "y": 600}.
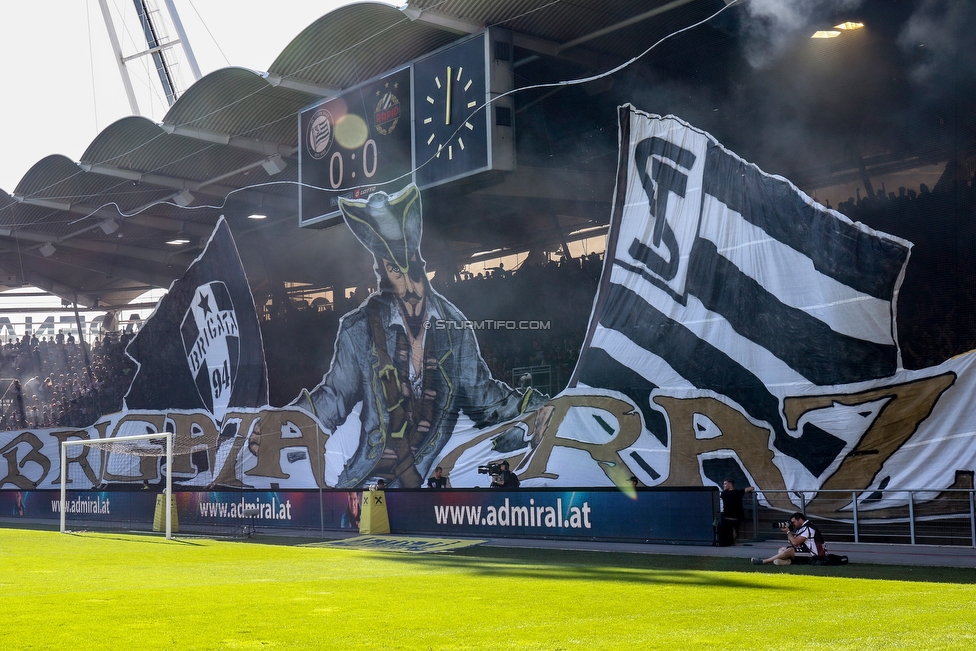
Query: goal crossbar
{"x": 122, "y": 439}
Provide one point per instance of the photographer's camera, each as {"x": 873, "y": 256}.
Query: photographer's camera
{"x": 493, "y": 468}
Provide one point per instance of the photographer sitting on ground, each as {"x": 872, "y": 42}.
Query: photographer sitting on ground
{"x": 805, "y": 543}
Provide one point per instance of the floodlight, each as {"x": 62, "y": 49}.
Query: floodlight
{"x": 274, "y": 165}
{"x": 109, "y": 226}
{"x": 183, "y": 198}
{"x": 47, "y": 250}
{"x": 826, "y": 33}
{"x": 412, "y": 13}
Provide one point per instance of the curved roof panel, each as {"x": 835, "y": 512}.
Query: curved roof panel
{"x": 44, "y": 177}
{"x": 355, "y": 43}
{"x": 140, "y": 145}
{"x": 562, "y": 23}
{"x": 128, "y": 143}
{"x": 57, "y": 195}
{"x": 239, "y": 102}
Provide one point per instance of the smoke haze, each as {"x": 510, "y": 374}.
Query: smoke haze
{"x": 772, "y": 27}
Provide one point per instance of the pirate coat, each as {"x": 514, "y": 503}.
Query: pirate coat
{"x": 405, "y": 425}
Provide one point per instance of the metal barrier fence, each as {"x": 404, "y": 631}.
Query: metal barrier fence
{"x": 907, "y": 516}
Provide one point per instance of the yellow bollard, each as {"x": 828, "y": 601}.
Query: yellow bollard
{"x": 159, "y": 515}
{"x": 374, "y": 518}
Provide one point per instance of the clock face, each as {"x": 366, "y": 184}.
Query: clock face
{"x": 451, "y": 124}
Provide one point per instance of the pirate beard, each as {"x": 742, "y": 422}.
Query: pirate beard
{"x": 414, "y": 323}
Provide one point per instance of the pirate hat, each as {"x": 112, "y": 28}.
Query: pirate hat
{"x": 389, "y": 225}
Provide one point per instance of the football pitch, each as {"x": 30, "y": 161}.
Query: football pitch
{"x": 116, "y": 591}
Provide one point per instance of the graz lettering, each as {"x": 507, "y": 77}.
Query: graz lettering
{"x": 263, "y": 440}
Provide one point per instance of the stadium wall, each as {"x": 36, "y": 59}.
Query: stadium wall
{"x": 682, "y": 515}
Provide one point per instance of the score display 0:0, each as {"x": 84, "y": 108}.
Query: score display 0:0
{"x": 336, "y": 165}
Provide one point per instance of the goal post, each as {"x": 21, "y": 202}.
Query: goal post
{"x": 140, "y": 445}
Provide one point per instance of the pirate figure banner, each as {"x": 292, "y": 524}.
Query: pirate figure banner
{"x": 409, "y": 378}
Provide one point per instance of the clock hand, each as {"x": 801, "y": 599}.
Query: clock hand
{"x": 447, "y": 108}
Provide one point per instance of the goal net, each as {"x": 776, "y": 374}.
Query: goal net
{"x": 121, "y": 482}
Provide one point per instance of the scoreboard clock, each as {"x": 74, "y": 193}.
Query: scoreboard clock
{"x": 352, "y": 145}
{"x": 439, "y": 119}
{"x": 458, "y": 131}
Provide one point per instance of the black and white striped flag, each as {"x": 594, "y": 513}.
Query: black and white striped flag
{"x": 723, "y": 280}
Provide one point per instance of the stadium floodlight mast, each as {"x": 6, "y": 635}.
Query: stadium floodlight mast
{"x": 126, "y": 445}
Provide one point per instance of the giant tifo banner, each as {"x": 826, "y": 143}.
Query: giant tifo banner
{"x": 740, "y": 330}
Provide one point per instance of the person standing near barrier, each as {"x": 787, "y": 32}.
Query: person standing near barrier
{"x": 732, "y": 512}
{"x": 437, "y": 480}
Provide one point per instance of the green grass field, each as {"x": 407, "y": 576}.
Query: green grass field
{"x": 108, "y": 591}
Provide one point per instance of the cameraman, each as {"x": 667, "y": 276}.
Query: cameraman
{"x": 437, "y": 480}
{"x": 805, "y": 543}
{"x": 505, "y": 478}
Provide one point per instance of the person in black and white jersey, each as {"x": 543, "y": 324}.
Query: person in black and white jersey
{"x": 805, "y": 543}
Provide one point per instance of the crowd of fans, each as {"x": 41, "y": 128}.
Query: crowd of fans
{"x": 553, "y": 300}
{"x": 938, "y": 296}
{"x": 51, "y": 382}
